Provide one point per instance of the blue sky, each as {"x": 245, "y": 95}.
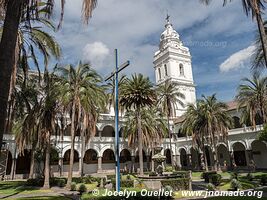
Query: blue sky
{"x": 220, "y": 38}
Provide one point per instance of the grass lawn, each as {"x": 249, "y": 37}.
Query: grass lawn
{"x": 42, "y": 198}
{"x": 18, "y": 187}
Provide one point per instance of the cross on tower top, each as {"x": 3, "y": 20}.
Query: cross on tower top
{"x": 168, "y": 18}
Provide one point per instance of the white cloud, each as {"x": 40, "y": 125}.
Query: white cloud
{"x": 238, "y": 59}
{"x": 96, "y": 53}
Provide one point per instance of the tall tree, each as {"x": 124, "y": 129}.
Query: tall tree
{"x": 169, "y": 97}
{"x": 138, "y": 92}
{"x": 13, "y": 10}
{"x": 252, "y": 96}
{"x": 258, "y": 62}
{"x": 206, "y": 122}
{"x": 47, "y": 119}
{"x": 82, "y": 93}
{"x": 255, "y": 9}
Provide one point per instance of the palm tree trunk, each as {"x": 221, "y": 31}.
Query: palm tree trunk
{"x": 140, "y": 142}
{"x": 7, "y": 56}
{"x": 263, "y": 36}
{"x": 32, "y": 162}
{"x": 170, "y": 136}
{"x": 72, "y": 145}
{"x": 47, "y": 163}
{"x": 82, "y": 152}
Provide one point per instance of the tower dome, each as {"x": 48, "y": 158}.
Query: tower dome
{"x": 169, "y": 37}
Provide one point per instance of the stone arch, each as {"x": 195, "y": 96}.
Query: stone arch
{"x": 108, "y": 156}
{"x": 137, "y": 156}
{"x": 223, "y": 155}
{"x": 90, "y": 156}
{"x": 236, "y": 122}
{"x": 125, "y": 156}
{"x": 108, "y": 131}
{"x": 183, "y": 157}
{"x": 259, "y": 154}
{"x": 239, "y": 141}
{"x": 239, "y": 151}
{"x": 66, "y": 158}
{"x": 23, "y": 162}
{"x": 167, "y": 153}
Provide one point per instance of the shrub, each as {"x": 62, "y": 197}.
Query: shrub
{"x": 73, "y": 186}
{"x": 235, "y": 184}
{"x": 128, "y": 177}
{"x": 234, "y": 175}
{"x": 263, "y": 180}
{"x": 152, "y": 174}
{"x": 210, "y": 187}
{"x": 82, "y": 188}
{"x": 109, "y": 177}
{"x": 250, "y": 176}
{"x": 168, "y": 169}
{"x": 124, "y": 183}
{"x": 61, "y": 183}
{"x": 215, "y": 179}
{"x": 177, "y": 183}
{"x": 37, "y": 182}
{"x": 206, "y": 175}
{"x": 182, "y": 174}
{"x": 77, "y": 179}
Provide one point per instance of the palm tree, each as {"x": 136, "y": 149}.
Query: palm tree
{"x": 31, "y": 39}
{"x": 217, "y": 121}
{"x": 26, "y": 115}
{"x": 194, "y": 125}
{"x": 82, "y": 93}
{"x": 252, "y": 96}
{"x": 138, "y": 92}
{"x": 47, "y": 119}
{"x": 13, "y": 11}
{"x": 206, "y": 122}
{"x": 258, "y": 61}
{"x": 154, "y": 127}
{"x": 168, "y": 98}
{"x": 255, "y": 8}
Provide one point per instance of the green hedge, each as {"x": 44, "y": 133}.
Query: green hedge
{"x": 124, "y": 183}
{"x": 215, "y": 179}
{"x": 206, "y": 175}
{"x": 87, "y": 179}
{"x": 177, "y": 183}
{"x": 182, "y": 174}
{"x": 39, "y": 182}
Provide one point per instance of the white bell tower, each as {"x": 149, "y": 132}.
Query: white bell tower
{"x": 173, "y": 62}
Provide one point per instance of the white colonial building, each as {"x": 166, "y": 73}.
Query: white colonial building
{"x": 171, "y": 62}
